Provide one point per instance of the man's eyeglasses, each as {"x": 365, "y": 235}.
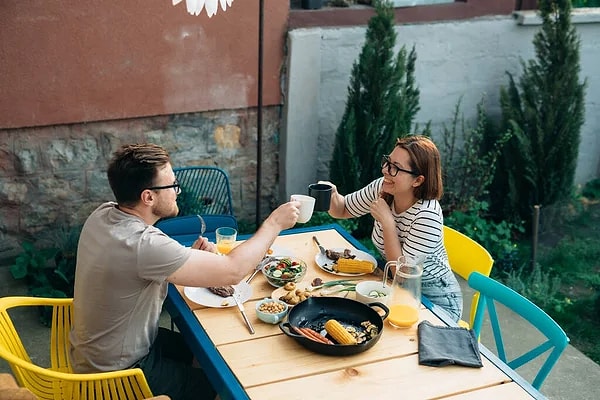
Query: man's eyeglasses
{"x": 176, "y": 186}
{"x": 393, "y": 169}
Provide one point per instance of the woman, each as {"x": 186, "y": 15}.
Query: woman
{"x": 408, "y": 215}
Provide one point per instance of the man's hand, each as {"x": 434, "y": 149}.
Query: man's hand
{"x": 202, "y": 243}
{"x": 286, "y": 215}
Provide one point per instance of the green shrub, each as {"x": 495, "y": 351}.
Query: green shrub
{"x": 468, "y": 161}
{"x": 323, "y": 218}
{"x": 591, "y": 190}
{"x": 539, "y": 287}
{"x": 545, "y": 111}
{"x": 382, "y": 103}
{"x": 497, "y": 237}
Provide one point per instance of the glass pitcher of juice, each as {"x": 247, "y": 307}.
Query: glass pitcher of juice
{"x": 405, "y": 299}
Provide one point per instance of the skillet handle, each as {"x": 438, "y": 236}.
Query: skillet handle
{"x": 385, "y": 309}
{"x": 287, "y": 329}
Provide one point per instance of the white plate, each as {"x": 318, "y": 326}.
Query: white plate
{"x": 205, "y": 297}
{"x": 278, "y": 251}
{"x": 326, "y": 264}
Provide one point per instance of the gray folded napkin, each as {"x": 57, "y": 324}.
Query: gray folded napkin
{"x": 445, "y": 345}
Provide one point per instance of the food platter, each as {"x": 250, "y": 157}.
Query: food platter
{"x": 305, "y": 285}
{"x": 327, "y": 264}
{"x": 205, "y": 297}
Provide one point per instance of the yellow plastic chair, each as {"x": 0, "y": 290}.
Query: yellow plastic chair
{"x": 466, "y": 256}
{"x": 59, "y": 382}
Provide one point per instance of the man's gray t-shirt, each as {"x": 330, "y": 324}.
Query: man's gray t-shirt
{"x": 120, "y": 287}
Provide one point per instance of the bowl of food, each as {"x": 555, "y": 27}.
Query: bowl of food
{"x": 372, "y": 291}
{"x": 271, "y": 311}
{"x": 334, "y": 325}
{"x": 282, "y": 270}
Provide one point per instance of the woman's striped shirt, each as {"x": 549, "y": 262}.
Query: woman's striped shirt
{"x": 419, "y": 229}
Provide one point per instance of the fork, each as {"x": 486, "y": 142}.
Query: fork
{"x": 261, "y": 264}
{"x": 202, "y": 225}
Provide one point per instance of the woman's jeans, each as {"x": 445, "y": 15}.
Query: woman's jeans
{"x": 445, "y": 292}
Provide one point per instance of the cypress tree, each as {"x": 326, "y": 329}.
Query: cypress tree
{"x": 382, "y": 103}
{"x": 545, "y": 111}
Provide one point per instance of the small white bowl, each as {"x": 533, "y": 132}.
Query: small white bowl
{"x": 365, "y": 292}
{"x": 271, "y": 318}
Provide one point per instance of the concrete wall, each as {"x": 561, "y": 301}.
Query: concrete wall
{"x": 455, "y": 59}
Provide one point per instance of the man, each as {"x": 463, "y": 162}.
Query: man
{"x": 124, "y": 264}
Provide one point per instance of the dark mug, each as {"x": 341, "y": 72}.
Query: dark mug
{"x": 322, "y": 194}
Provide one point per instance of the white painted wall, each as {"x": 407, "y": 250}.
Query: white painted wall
{"x": 454, "y": 59}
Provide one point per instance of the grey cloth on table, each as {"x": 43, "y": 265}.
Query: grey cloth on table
{"x": 444, "y": 345}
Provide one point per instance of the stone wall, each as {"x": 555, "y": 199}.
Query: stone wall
{"x": 55, "y": 176}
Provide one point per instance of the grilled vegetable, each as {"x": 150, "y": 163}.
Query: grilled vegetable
{"x": 353, "y": 266}
{"x": 339, "y": 333}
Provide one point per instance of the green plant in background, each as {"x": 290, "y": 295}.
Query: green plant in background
{"x": 586, "y": 3}
{"x": 539, "y": 287}
{"x": 545, "y": 111}
{"x": 468, "y": 160}
{"x": 382, "y": 103}
{"x": 323, "y": 218}
{"x": 49, "y": 269}
{"x": 34, "y": 266}
{"x": 496, "y": 237}
{"x": 592, "y": 190}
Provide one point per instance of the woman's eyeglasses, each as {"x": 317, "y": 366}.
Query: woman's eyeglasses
{"x": 176, "y": 186}
{"x": 393, "y": 169}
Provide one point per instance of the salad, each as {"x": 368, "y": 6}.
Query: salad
{"x": 284, "y": 270}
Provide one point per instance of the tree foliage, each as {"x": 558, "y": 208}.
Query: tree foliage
{"x": 545, "y": 112}
{"x": 382, "y": 102}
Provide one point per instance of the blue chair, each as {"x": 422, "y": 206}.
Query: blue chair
{"x": 491, "y": 291}
{"x": 186, "y": 229}
{"x": 204, "y": 190}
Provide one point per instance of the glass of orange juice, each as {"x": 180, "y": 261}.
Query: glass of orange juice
{"x": 226, "y": 238}
{"x": 405, "y": 299}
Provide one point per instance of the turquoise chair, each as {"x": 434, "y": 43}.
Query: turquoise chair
{"x": 492, "y": 291}
{"x": 204, "y": 190}
{"x": 186, "y": 229}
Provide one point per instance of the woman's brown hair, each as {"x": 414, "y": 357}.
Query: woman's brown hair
{"x": 425, "y": 159}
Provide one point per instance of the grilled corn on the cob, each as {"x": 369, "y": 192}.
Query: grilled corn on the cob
{"x": 353, "y": 266}
{"x": 339, "y": 333}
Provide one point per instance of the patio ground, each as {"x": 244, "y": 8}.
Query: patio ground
{"x": 575, "y": 376}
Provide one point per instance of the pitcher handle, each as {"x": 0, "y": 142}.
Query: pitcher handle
{"x": 386, "y": 270}
{"x": 401, "y": 260}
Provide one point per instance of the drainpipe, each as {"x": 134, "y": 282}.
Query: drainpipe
{"x": 259, "y": 111}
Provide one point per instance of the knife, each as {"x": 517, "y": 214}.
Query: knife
{"x": 321, "y": 248}
{"x": 240, "y": 306}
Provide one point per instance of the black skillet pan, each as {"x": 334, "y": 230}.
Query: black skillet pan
{"x": 315, "y": 311}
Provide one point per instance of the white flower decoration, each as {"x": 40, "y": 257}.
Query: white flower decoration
{"x": 195, "y": 7}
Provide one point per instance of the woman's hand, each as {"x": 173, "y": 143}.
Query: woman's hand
{"x": 202, "y": 243}
{"x": 381, "y": 211}
{"x": 337, "y": 207}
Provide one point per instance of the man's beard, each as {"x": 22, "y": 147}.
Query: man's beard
{"x": 163, "y": 212}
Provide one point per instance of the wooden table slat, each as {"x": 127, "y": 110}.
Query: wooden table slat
{"x": 270, "y": 365}
{"x": 393, "y": 378}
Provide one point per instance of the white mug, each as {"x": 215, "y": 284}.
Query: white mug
{"x": 307, "y": 205}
